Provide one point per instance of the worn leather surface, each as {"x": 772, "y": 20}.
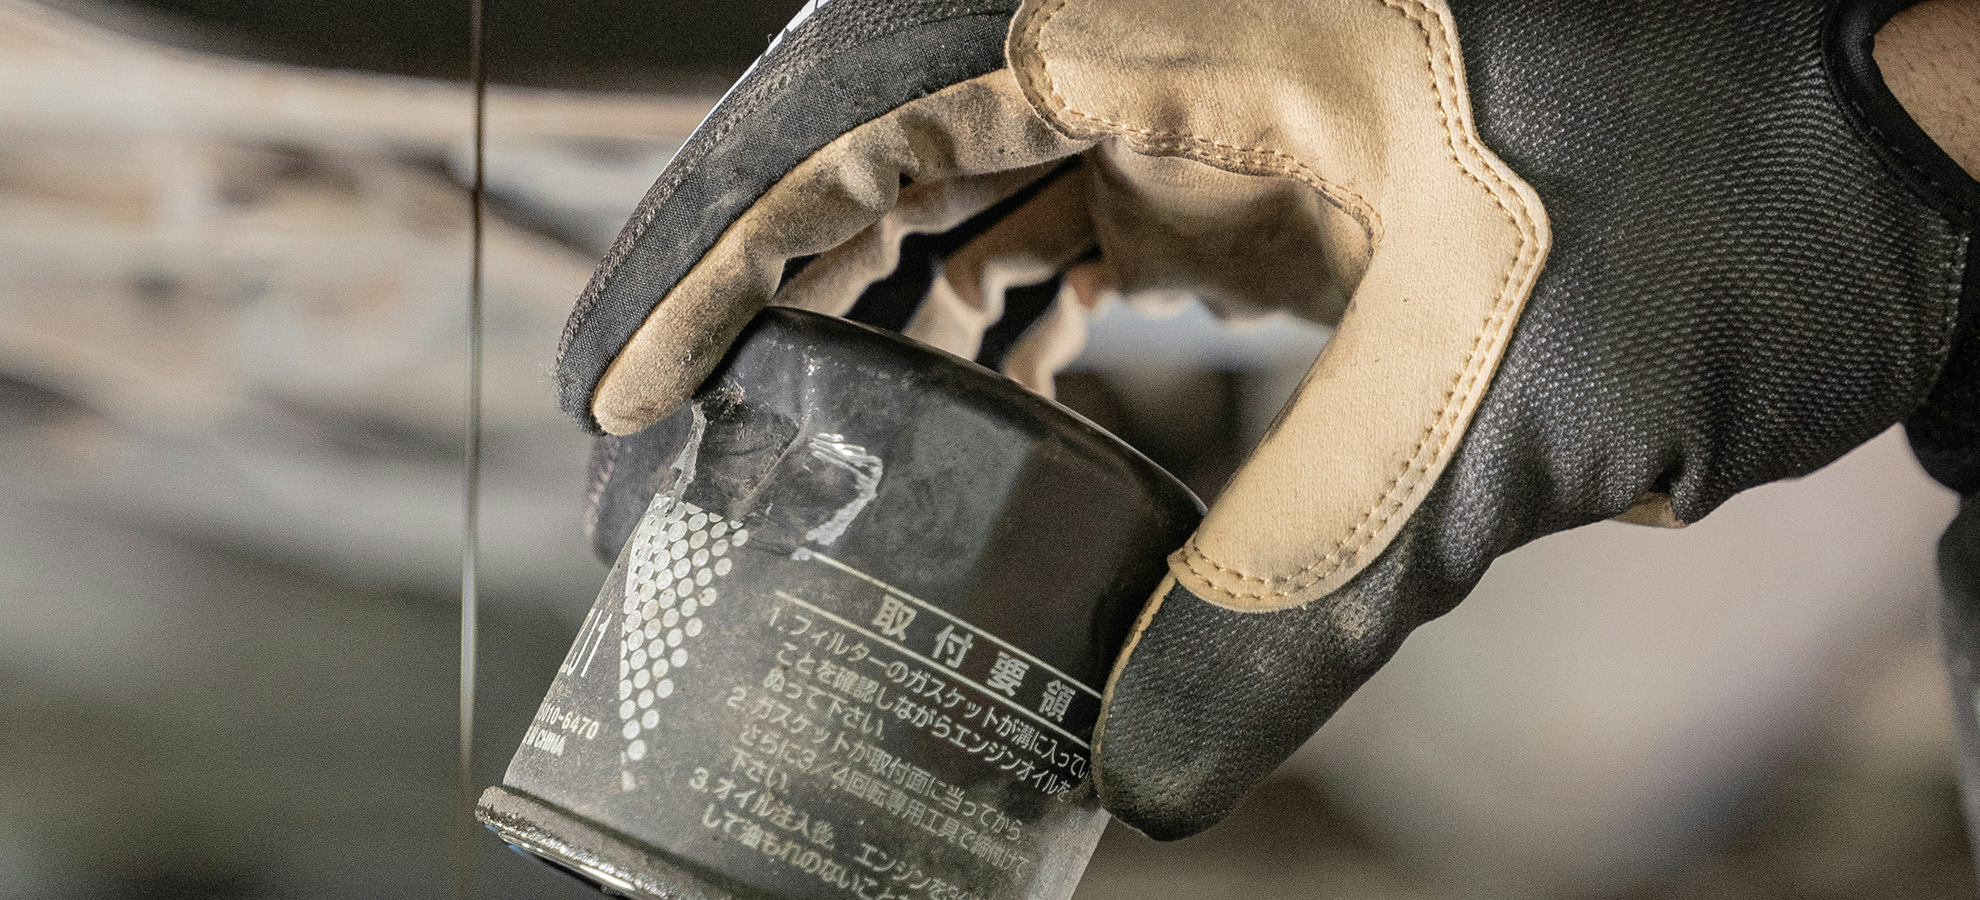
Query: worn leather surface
{"x": 953, "y": 147}
{"x": 1364, "y": 103}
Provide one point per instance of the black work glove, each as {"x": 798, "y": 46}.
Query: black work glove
{"x": 1587, "y": 260}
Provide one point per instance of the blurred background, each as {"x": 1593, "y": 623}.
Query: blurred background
{"x": 233, "y": 268}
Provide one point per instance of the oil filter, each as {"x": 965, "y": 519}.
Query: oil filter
{"x": 855, "y": 644}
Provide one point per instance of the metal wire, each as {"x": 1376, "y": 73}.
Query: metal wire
{"x": 471, "y": 526}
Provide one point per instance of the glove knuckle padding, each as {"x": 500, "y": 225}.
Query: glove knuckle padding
{"x": 1741, "y": 288}
{"x": 1363, "y": 102}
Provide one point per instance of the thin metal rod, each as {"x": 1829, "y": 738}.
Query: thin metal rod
{"x": 471, "y": 526}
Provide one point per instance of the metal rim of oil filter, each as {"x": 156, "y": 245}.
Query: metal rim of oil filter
{"x": 611, "y": 863}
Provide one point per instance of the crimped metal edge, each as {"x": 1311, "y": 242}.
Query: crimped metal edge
{"x": 612, "y": 863}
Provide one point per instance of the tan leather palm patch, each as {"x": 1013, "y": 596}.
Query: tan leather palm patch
{"x": 1364, "y": 102}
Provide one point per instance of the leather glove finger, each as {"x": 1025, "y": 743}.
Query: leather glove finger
{"x": 1027, "y": 247}
{"x": 928, "y": 223}
{"x": 1050, "y": 342}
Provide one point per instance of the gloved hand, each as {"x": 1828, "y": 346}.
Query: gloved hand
{"x": 1586, "y": 260}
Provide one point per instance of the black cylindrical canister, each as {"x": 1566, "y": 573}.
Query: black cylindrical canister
{"x": 856, "y": 644}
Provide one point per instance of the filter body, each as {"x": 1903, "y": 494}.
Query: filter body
{"x": 856, "y": 643}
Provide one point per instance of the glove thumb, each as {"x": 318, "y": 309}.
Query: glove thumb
{"x": 1207, "y": 700}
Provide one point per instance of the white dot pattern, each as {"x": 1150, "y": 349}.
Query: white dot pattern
{"x": 675, "y": 556}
